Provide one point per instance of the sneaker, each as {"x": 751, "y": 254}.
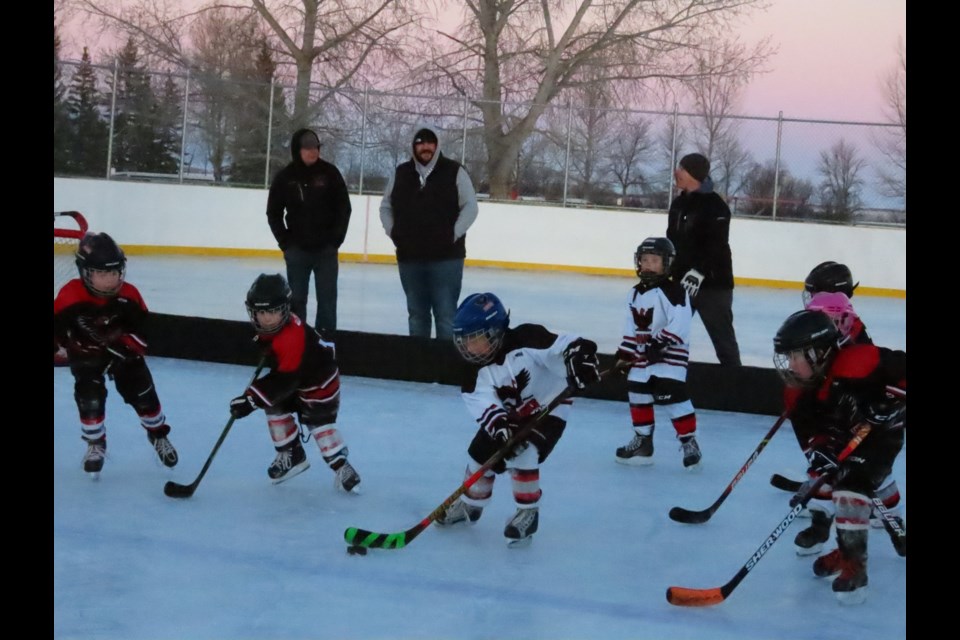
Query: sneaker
{"x": 691, "y": 452}
{"x": 810, "y": 541}
{"x": 165, "y": 451}
{"x": 346, "y": 478}
{"x": 93, "y": 458}
{"x": 521, "y": 527}
{"x": 459, "y": 512}
{"x": 637, "y": 452}
{"x": 291, "y": 461}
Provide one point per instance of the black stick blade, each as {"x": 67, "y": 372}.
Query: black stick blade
{"x": 679, "y": 514}
{"x": 785, "y": 484}
{"x": 175, "y": 490}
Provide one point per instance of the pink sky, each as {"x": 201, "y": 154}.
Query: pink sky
{"x": 832, "y": 59}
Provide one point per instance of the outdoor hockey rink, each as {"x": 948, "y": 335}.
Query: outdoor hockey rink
{"x": 247, "y": 559}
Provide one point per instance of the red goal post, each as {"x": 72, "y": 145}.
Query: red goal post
{"x": 68, "y": 228}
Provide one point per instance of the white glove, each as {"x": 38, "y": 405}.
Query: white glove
{"x": 691, "y": 282}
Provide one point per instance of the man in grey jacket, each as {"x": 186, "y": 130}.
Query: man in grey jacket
{"x": 427, "y": 207}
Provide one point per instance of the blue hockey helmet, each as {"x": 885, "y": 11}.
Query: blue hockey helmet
{"x": 480, "y": 315}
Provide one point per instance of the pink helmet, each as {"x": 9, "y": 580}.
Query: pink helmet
{"x": 837, "y": 305}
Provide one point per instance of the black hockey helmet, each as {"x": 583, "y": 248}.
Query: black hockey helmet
{"x": 831, "y": 277}
{"x": 811, "y": 335}
{"x": 662, "y": 247}
{"x": 269, "y": 293}
{"x": 480, "y": 314}
{"x": 99, "y": 252}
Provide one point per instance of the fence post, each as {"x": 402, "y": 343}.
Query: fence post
{"x": 183, "y": 129}
{"x": 566, "y": 160}
{"x": 363, "y": 136}
{"x": 463, "y": 143}
{"x": 673, "y": 151}
{"x": 113, "y": 110}
{"x": 776, "y": 166}
{"x": 266, "y": 165}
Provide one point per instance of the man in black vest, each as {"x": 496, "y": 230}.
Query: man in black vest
{"x": 427, "y": 207}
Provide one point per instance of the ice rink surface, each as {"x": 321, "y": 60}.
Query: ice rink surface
{"x": 247, "y": 559}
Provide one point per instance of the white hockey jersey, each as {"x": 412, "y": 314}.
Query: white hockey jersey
{"x": 528, "y": 374}
{"x": 661, "y": 312}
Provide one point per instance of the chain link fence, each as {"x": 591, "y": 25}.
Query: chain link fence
{"x": 133, "y": 125}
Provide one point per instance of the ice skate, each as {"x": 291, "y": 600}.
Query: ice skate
{"x": 521, "y": 527}
{"x": 291, "y": 461}
{"x": 637, "y": 452}
{"x": 459, "y": 512}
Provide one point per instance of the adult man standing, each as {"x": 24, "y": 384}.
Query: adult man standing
{"x": 314, "y": 196}
{"x": 428, "y": 205}
{"x": 699, "y": 227}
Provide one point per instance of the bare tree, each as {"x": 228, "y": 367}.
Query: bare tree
{"x": 892, "y": 142}
{"x": 632, "y": 144}
{"x": 841, "y": 184}
{"x": 715, "y": 100}
{"x": 329, "y": 40}
{"x": 529, "y": 51}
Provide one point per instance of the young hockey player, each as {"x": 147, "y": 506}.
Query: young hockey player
{"x": 515, "y": 372}
{"x": 304, "y": 378}
{"x": 829, "y": 392}
{"x": 825, "y": 291}
{"x": 95, "y": 320}
{"x": 656, "y": 348}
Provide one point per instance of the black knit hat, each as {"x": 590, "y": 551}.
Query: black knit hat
{"x": 696, "y": 165}
{"x": 425, "y": 135}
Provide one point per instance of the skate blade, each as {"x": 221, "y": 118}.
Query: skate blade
{"x": 635, "y": 461}
{"x": 811, "y": 551}
{"x": 852, "y": 597}
{"x": 521, "y": 543}
{"x": 93, "y": 475}
{"x": 694, "y": 468}
{"x": 355, "y": 490}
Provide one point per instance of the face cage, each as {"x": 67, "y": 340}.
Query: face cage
{"x": 806, "y": 295}
{"x": 652, "y": 278}
{"x": 817, "y": 362}
{"x": 87, "y": 272}
{"x": 283, "y": 308}
{"x": 494, "y": 339}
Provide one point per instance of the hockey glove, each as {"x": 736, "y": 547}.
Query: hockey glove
{"x": 691, "y": 282}
{"x": 583, "y": 368}
{"x": 242, "y": 406}
{"x": 822, "y": 461}
{"x": 127, "y": 346}
{"x": 886, "y": 414}
{"x": 656, "y": 351}
{"x": 501, "y": 430}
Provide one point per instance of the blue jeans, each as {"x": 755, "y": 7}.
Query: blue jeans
{"x": 432, "y": 287}
{"x": 325, "y": 267}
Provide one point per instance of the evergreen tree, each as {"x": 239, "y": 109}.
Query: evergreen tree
{"x": 133, "y": 136}
{"x": 249, "y": 148}
{"x": 62, "y": 130}
{"x": 168, "y": 123}
{"x": 88, "y": 151}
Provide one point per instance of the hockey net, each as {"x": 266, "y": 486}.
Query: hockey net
{"x": 68, "y": 228}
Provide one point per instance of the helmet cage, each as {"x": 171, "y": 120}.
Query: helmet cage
{"x": 818, "y": 359}
{"x": 662, "y": 247}
{"x": 269, "y": 293}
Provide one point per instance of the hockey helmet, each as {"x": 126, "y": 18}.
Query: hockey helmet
{"x": 831, "y": 277}
{"x": 805, "y": 340}
{"x": 269, "y": 293}
{"x": 97, "y": 252}
{"x": 662, "y": 247}
{"x": 837, "y": 305}
{"x": 480, "y": 315}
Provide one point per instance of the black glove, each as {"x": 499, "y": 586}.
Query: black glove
{"x": 886, "y": 414}
{"x": 583, "y": 368}
{"x": 242, "y": 406}
{"x": 502, "y": 430}
{"x": 656, "y": 351}
{"x": 822, "y": 461}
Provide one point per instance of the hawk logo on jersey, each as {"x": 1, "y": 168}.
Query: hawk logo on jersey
{"x": 512, "y": 396}
{"x": 642, "y": 318}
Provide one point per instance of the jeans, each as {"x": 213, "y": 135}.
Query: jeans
{"x": 325, "y": 266}
{"x": 432, "y": 286}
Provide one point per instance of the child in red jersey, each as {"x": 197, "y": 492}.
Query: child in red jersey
{"x": 95, "y": 318}
{"x": 304, "y": 379}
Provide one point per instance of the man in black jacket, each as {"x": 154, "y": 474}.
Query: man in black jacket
{"x": 427, "y": 207}
{"x": 314, "y": 196}
{"x": 699, "y": 227}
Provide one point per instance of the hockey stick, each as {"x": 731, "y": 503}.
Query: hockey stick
{"x": 784, "y": 483}
{"x": 177, "y": 490}
{"x": 363, "y": 538}
{"x": 687, "y": 597}
{"x": 699, "y": 517}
